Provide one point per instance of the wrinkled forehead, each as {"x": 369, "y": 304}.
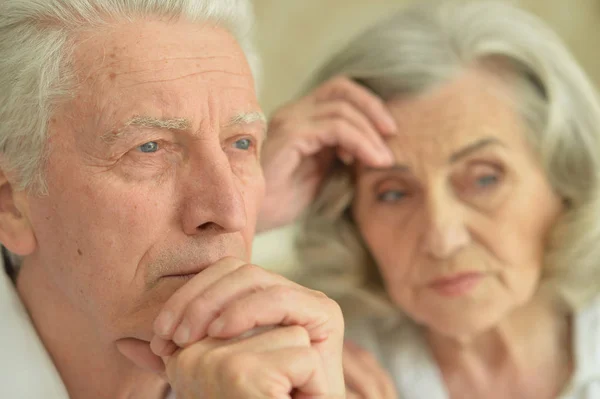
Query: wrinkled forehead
{"x": 161, "y": 65}
{"x": 153, "y": 45}
{"x": 435, "y": 124}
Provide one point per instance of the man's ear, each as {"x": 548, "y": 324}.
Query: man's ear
{"x": 16, "y": 232}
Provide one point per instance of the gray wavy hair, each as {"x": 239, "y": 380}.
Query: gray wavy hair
{"x": 425, "y": 45}
{"x": 36, "y": 46}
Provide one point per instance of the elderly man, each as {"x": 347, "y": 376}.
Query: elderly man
{"x": 130, "y": 187}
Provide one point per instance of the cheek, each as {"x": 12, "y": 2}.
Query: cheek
{"x": 81, "y": 224}
{"x": 386, "y": 243}
{"x": 519, "y": 235}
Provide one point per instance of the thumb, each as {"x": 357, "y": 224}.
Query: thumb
{"x": 140, "y": 354}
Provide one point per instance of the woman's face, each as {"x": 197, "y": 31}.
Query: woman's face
{"x": 458, "y": 225}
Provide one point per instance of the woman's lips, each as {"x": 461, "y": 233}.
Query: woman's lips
{"x": 458, "y": 284}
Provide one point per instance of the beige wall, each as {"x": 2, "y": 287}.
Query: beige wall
{"x": 295, "y": 36}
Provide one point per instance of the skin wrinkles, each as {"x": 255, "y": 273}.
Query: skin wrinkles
{"x": 161, "y": 61}
{"x": 462, "y": 153}
{"x": 164, "y": 193}
{"x": 125, "y": 223}
{"x": 182, "y": 77}
{"x": 446, "y": 223}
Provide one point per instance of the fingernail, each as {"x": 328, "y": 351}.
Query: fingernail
{"x": 164, "y": 323}
{"x": 182, "y": 334}
{"x": 216, "y": 327}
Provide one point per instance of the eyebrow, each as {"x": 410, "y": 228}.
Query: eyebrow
{"x": 455, "y": 157}
{"x": 181, "y": 124}
{"x": 473, "y": 147}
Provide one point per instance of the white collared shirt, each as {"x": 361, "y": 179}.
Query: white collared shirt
{"x": 26, "y": 370}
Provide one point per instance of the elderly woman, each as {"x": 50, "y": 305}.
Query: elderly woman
{"x": 470, "y": 267}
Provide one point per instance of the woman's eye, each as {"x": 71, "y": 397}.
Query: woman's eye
{"x": 149, "y": 147}
{"x": 243, "y": 144}
{"x": 487, "y": 180}
{"x": 391, "y": 196}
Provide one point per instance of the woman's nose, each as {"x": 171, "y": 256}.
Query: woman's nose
{"x": 445, "y": 231}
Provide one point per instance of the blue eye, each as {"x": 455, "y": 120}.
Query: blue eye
{"x": 487, "y": 180}
{"x": 391, "y": 196}
{"x": 243, "y": 144}
{"x": 149, "y": 147}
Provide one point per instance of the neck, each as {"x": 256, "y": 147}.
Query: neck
{"x": 88, "y": 362}
{"x": 534, "y": 337}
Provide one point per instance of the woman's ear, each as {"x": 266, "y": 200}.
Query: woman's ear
{"x": 16, "y": 232}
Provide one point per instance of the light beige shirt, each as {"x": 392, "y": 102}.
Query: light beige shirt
{"x": 403, "y": 351}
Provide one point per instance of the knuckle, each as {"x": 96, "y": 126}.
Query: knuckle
{"x": 333, "y": 308}
{"x": 231, "y": 261}
{"x": 340, "y": 80}
{"x": 250, "y": 268}
{"x": 342, "y": 109}
{"x": 299, "y": 335}
{"x": 199, "y": 308}
{"x": 282, "y": 293}
{"x": 339, "y": 125}
{"x": 332, "y": 87}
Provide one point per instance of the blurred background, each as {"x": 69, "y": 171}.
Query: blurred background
{"x": 295, "y": 36}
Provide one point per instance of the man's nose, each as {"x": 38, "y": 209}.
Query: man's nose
{"x": 445, "y": 230}
{"x": 213, "y": 196}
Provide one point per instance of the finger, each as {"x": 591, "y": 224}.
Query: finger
{"x": 378, "y": 376}
{"x": 140, "y": 354}
{"x": 362, "y": 98}
{"x": 350, "y": 394}
{"x": 264, "y": 340}
{"x": 278, "y": 305}
{"x": 341, "y": 133}
{"x": 276, "y": 360}
{"x": 172, "y": 311}
{"x": 301, "y": 367}
{"x": 386, "y": 383}
{"x": 358, "y": 377}
{"x": 207, "y": 305}
{"x": 347, "y": 111}
{"x": 162, "y": 347}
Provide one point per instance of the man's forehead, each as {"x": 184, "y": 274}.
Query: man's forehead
{"x": 157, "y": 51}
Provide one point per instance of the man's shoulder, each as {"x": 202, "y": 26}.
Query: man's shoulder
{"x": 26, "y": 370}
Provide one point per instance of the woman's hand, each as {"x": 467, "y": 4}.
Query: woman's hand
{"x": 365, "y": 377}
{"x": 339, "y": 118}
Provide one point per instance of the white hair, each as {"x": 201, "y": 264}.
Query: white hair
{"x": 36, "y": 46}
{"x": 426, "y": 45}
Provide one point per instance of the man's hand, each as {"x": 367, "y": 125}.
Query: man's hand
{"x": 214, "y": 326}
{"x": 339, "y": 118}
{"x": 268, "y": 365}
{"x": 365, "y": 377}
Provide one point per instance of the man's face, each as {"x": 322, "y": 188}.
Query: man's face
{"x": 153, "y": 172}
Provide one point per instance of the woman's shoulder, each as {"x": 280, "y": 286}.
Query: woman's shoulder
{"x": 587, "y": 329}
{"x": 374, "y": 327}
{"x": 586, "y": 342}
